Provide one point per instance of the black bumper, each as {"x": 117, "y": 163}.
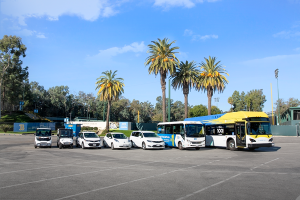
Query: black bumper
{"x": 260, "y": 145}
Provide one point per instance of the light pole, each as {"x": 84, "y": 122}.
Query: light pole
{"x": 278, "y": 106}
{"x": 217, "y": 100}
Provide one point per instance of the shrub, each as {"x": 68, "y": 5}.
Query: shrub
{"x": 104, "y": 132}
{"x": 95, "y": 128}
{"x": 5, "y": 127}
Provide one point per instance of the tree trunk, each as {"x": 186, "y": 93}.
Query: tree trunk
{"x": 209, "y": 95}
{"x": 163, "y": 88}
{"x": 107, "y": 115}
{"x": 185, "y": 93}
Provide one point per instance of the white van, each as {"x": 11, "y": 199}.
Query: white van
{"x": 42, "y": 137}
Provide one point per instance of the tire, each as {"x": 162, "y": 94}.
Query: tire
{"x": 60, "y": 146}
{"x": 112, "y": 146}
{"x": 144, "y": 146}
{"x": 197, "y": 148}
{"x": 77, "y": 145}
{"x": 132, "y": 144}
{"x": 57, "y": 144}
{"x": 104, "y": 144}
{"x": 180, "y": 146}
{"x": 82, "y": 146}
{"x": 71, "y": 146}
{"x": 35, "y": 146}
{"x": 231, "y": 145}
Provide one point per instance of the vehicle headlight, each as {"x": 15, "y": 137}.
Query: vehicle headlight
{"x": 252, "y": 140}
{"x": 271, "y": 140}
{"x": 116, "y": 140}
{"x": 149, "y": 141}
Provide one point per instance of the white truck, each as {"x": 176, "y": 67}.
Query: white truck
{"x": 64, "y": 138}
{"x": 42, "y": 137}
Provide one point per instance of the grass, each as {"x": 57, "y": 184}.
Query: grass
{"x": 17, "y": 116}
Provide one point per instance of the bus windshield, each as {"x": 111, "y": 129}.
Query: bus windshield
{"x": 42, "y": 133}
{"x": 259, "y": 128}
{"x": 194, "y": 130}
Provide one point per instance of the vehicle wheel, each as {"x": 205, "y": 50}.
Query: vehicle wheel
{"x": 180, "y": 146}
{"x": 71, "y": 146}
{"x": 35, "y": 146}
{"x": 82, "y": 145}
{"x": 144, "y": 146}
{"x": 57, "y": 144}
{"x": 231, "y": 145}
{"x": 132, "y": 144}
{"x": 104, "y": 144}
{"x": 197, "y": 148}
{"x": 112, "y": 146}
{"x": 60, "y": 146}
{"x": 77, "y": 145}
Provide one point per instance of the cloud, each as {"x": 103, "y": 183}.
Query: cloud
{"x": 287, "y": 34}
{"x": 204, "y": 37}
{"x": 180, "y": 3}
{"x": 196, "y": 37}
{"x": 114, "y": 51}
{"x": 275, "y": 61}
{"x": 52, "y": 9}
{"x": 40, "y": 36}
{"x": 297, "y": 49}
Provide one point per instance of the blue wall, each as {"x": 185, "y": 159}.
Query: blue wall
{"x": 25, "y": 127}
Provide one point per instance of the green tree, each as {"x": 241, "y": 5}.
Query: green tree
{"x": 178, "y": 111}
{"x": 255, "y": 100}
{"x": 211, "y": 79}
{"x": 11, "y": 48}
{"x": 109, "y": 88}
{"x": 237, "y": 99}
{"x": 58, "y": 98}
{"x": 185, "y": 77}
{"x": 284, "y": 105}
{"x": 215, "y": 110}
{"x": 230, "y": 101}
{"x": 162, "y": 60}
{"x": 199, "y": 110}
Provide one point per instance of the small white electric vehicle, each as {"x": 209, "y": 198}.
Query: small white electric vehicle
{"x": 146, "y": 140}
{"x": 116, "y": 140}
{"x": 42, "y": 138}
{"x": 88, "y": 140}
{"x": 65, "y": 138}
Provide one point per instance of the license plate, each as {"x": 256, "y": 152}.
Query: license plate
{"x": 94, "y": 145}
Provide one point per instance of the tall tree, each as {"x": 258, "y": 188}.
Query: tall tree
{"x": 109, "y": 88}
{"x": 255, "y": 100}
{"x": 198, "y": 110}
{"x": 162, "y": 60}
{"x": 11, "y": 48}
{"x": 230, "y": 101}
{"x": 185, "y": 77}
{"x": 211, "y": 78}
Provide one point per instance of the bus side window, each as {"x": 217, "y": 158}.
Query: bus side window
{"x": 160, "y": 129}
{"x": 208, "y": 130}
{"x": 168, "y": 130}
{"x": 229, "y": 129}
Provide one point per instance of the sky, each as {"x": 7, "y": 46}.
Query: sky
{"x": 71, "y": 42}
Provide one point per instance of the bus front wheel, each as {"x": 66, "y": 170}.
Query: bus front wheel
{"x": 231, "y": 145}
{"x": 180, "y": 146}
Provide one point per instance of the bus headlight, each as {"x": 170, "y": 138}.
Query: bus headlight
{"x": 252, "y": 140}
{"x": 271, "y": 140}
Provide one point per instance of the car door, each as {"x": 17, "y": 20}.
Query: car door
{"x": 109, "y": 139}
{"x": 139, "y": 139}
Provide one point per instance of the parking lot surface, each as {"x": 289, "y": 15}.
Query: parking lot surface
{"x": 210, "y": 173}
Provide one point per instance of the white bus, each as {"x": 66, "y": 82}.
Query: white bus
{"x": 182, "y": 134}
{"x": 237, "y": 130}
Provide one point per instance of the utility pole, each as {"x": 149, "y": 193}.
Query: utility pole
{"x": 278, "y": 106}
{"x": 169, "y": 103}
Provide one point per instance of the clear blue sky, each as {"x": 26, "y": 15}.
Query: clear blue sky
{"x": 71, "y": 42}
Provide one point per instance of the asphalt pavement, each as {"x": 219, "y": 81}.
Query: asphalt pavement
{"x": 209, "y": 173}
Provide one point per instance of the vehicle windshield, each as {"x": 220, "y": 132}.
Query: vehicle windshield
{"x": 90, "y": 135}
{"x": 194, "y": 130}
{"x": 259, "y": 128}
{"x": 150, "y": 135}
{"x": 119, "y": 136}
{"x": 66, "y": 133}
{"x": 43, "y": 133}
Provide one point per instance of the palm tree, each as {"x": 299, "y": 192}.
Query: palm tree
{"x": 211, "y": 78}
{"x": 162, "y": 60}
{"x": 186, "y": 76}
{"x": 110, "y": 88}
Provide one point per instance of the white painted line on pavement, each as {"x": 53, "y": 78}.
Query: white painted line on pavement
{"x": 218, "y": 183}
{"x": 264, "y": 164}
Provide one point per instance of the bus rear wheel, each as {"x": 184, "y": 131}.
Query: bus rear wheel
{"x": 180, "y": 146}
{"x": 231, "y": 145}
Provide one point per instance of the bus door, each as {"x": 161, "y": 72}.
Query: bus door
{"x": 240, "y": 134}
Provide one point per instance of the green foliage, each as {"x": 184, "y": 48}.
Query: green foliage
{"x": 252, "y": 101}
{"x": 199, "y": 110}
{"x": 17, "y": 116}
{"x": 6, "y": 127}
{"x": 284, "y": 105}
{"x": 215, "y": 110}
{"x": 104, "y": 132}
